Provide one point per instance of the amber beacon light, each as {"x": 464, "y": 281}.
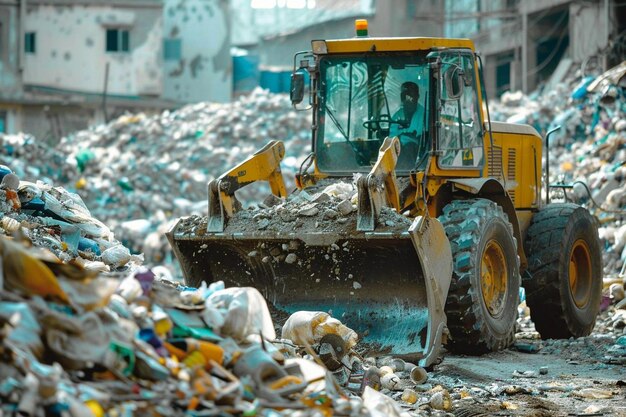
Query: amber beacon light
{"x": 361, "y": 27}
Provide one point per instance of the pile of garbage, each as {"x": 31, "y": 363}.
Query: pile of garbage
{"x": 328, "y": 206}
{"x": 587, "y": 155}
{"x": 85, "y": 330}
{"x": 32, "y": 159}
{"x": 79, "y": 342}
{"x": 56, "y": 219}
{"x": 138, "y": 174}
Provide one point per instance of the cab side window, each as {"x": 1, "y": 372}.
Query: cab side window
{"x": 460, "y": 142}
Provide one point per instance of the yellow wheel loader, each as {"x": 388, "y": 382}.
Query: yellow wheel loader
{"x": 470, "y": 223}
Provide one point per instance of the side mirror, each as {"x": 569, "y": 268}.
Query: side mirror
{"x": 453, "y": 79}
{"x": 297, "y": 88}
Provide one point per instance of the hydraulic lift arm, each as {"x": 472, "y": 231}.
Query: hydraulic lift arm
{"x": 370, "y": 188}
{"x": 264, "y": 165}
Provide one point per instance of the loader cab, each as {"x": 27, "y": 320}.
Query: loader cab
{"x": 357, "y": 99}
{"x": 362, "y": 99}
{"x": 460, "y": 133}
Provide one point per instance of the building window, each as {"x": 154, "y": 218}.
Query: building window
{"x": 172, "y": 49}
{"x": 117, "y": 40}
{"x": 3, "y": 122}
{"x": 411, "y": 8}
{"x": 30, "y": 42}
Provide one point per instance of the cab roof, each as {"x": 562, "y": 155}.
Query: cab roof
{"x": 367, "y": 44}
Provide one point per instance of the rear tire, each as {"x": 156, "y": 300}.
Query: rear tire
{"x": 483, "y": 298}
{"x": 565, "y": 264}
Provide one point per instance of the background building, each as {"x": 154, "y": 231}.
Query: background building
{"x": 67, "y": 64}
{"x": 530, "y": 43}
{"x": 265, "y": 56}
{"x": 197, "y": 64}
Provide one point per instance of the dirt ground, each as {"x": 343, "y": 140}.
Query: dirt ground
{"x": 495, "y": 391}
{"x": 575, "y": 377}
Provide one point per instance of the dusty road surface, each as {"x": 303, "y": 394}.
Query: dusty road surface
{"x": 576, "y": 377}
{"x": 486, "y": 385}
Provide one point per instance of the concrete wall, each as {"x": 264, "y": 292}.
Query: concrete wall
{"x": 10, "y": 80}
{"x": 390, "y": 19}
{"x": 204, "y": 70}
{"x": 404, "y": 18}
{"x": 590, "y": 30}
{"x": 71, "y": 48}
{"x": 533, "y": 6}
{"x": 13, "y": 117}
{"x": 584, "y": 32}
{"x": 49, "y": 123}
{"x": 253, "y": 24}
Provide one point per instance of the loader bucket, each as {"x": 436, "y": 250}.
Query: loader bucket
{"x": 388, "y": 287}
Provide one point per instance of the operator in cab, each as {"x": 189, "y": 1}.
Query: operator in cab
{"x": 410, "y": 116}
{"x": 408, "y": 120}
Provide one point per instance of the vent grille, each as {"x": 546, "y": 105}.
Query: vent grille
{"x": 495, "y": 162}
{"x": 510, "y": 171}
{"x": 511, "y": 164}
{"x": 512, "y": 195}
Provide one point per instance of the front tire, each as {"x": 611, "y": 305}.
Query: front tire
{"x": 483, "y": 298}
{"x": 565, "y": 264}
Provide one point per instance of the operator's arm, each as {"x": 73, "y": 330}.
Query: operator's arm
{"x": 413, "y": 132}
{"x": 394, "y": 128}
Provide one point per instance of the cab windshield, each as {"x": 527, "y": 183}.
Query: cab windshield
{"x": 365, "y": 98}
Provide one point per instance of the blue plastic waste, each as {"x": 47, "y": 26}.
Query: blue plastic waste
{"x": 88, "y": 245}
{"x": 4, "y": 170}
{"x": 580, "y": 91}
{"x": 36, "y": 204}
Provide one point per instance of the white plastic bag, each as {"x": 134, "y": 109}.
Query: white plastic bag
{"x": 244, "y": 311}
{"x": 379, "y": 405}
{"x": 116, "y": 256}
{"x": 311, "y": 326}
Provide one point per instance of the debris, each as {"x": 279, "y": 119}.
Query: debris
{"x": 592, "y": 393}
{"x": 418, "y": 375}
{"x": 344, "y": 208}
{"x": 291, "y": 258}
{"x": 409, "y": 396}
{"x": 371, "y": 379}
{"x": 211, "y": 349}
{"x": 380, "y": 405}
{"x": 116, "y": 256}
{"x": 308, "y": 210}
{"x": 441, "y": 400}
{"x": 526, "y": 347}
{"x": 507, "y": 405}
{"x": 524, "y": 374}
{"x": 309, "y": 327}
{"x": 392, "y": 382}
{"x": 244, "y": 313}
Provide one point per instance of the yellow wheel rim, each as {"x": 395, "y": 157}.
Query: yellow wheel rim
{"x": 580, "y": 273}
{"x": 494, "y": 278}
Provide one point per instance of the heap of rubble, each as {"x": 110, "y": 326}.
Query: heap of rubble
{"x": 138, "y": 174}
{"x": 329, "y": 206}
{"x": 587, "y": 154}
{"x": 85, "y": 330}
{"x": 58, "y": 220}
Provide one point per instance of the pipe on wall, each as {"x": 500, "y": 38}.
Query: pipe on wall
{"x": 22, "y": 36}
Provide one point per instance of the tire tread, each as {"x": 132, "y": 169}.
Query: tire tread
{"x": 463, "y": 221}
